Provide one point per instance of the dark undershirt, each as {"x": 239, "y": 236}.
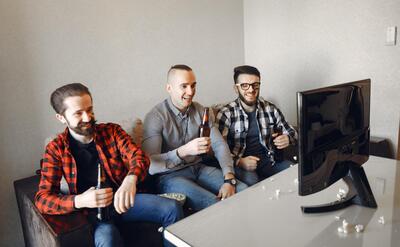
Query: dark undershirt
{"x": 253, "y": 145}
{"x": 87, "y": 159}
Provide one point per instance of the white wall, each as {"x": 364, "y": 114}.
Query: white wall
{"x": 301, "y": 45}
{"x": 121, "y": 49}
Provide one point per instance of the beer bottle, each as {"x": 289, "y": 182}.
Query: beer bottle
{"x": 103, "y": 214}
{"x": 278, "y": 153}
{"x": 204, "y": 128}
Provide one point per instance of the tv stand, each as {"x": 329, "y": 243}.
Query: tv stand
{"x": 359, "y": 193}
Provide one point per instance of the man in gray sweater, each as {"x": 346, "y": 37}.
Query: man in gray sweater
{"x": 171, "y": 139}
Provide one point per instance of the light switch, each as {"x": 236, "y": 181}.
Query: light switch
{"x": 391, "y": 33}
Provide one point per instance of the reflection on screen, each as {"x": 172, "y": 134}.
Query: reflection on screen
{"x": 332, "y": 117}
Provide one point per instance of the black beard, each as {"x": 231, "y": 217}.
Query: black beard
{"x": 88, "y": 132}
{"x": 241, "y": 97}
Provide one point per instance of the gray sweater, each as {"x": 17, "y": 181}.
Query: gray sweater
{"x": 166, "y": 129}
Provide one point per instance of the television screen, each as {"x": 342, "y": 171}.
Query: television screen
{"x": 333, "y": 135}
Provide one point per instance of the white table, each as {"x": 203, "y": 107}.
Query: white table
{"x": 256, "y": 217}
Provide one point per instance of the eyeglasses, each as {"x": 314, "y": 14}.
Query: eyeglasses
{"x": 246, "y": 86}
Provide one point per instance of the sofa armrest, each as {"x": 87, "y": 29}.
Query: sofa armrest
{"x": 49, "y": 230}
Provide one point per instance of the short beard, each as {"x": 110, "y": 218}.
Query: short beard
{"x": 88, "y": 132}
{"x": 241, "y": 97}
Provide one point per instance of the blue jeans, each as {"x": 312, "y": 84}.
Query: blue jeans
{"x": 263, "y": 171}
{"x": 200, "y": 184}
{"x": 147, "y": 207}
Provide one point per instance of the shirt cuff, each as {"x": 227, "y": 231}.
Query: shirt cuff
{"x": 139, "y": 174}
{"x": 172, "y": 159}
{"x": 73, "y": 202}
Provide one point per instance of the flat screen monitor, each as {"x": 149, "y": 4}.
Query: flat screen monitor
{"x": 334, "y": 142}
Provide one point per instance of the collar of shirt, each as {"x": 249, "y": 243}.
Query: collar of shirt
{"x": 243, "y": 112}
{"x": 176, "y": 111}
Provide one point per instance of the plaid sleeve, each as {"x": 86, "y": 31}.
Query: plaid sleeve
{"x": 48, "y": 199}
{"x": 223, "y": 123}
{"x": 131, "y": 154}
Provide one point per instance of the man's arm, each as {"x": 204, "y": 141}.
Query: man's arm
{"x": 131, "y": 154}
{"x": 223, "y": 122}
{"x": 220, "y": 147}
{"x": 223, "y": 156}
{"x": 49, "y": 199}
{"x": 287, "y": 130}
{"x": 152, "y": 142}
{"x": 162, "y": 162}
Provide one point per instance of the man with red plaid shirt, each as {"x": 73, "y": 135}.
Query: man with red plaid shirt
{"x": 76, "y": 155}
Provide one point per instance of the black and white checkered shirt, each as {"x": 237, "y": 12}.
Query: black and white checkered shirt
{"x": 233, "y": 124}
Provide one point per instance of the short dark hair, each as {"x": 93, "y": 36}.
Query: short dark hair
{"x": 60, "y": 94}
{"x": 245, "y": 69}
{"x": 180, "y": 66}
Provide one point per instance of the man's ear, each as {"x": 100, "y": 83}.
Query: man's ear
{"x": 235, "y": 88}
{"x": 168, "y": 87}
{"x": 61, "y": 118}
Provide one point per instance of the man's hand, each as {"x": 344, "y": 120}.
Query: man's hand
{"x": 93, "y": 198}
{"x": 125, "y": 196}
{"x": 248, "y": 163}
{"x": 226, "y": 191}
{"x": 196, "y": 146}
{"x": 281, "y": 141}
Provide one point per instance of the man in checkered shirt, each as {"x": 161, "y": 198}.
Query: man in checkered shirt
{"x": 78, "y": 152}
{"x": 255, "y": 129}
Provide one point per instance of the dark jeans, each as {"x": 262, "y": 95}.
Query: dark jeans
{"x": 263, "y": 171}
{"x": 147, "y": 207}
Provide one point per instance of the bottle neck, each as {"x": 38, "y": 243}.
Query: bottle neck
{"x": 204, "y": 121}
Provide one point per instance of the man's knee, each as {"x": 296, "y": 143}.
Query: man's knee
{"x": 174, "y": 184}
{"x": 107, "y": 234}
{"x": 249, "y": 178}
{"x": 171, "y": 211}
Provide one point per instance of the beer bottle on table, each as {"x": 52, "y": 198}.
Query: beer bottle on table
{"x": 204, "y": 129}
{"x": 103, "y": 214}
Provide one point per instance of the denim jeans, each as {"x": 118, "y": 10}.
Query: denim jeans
{"x": 263, "y": 171}
{"x": 147, "y": 207}
{"x": 200, "y": 184}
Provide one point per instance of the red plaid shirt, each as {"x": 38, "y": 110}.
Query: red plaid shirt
{"x": 117, "y": 153}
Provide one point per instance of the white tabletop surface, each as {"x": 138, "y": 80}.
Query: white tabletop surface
{"x": 257, "y": 217}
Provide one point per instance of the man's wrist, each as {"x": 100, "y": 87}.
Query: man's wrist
{"x": 231, "y": 181}
{"x": 179, "y": 154}
{"x": 76, "y": 203}
{"x": 229, "y": 175}
{"x": 131, "y": 179}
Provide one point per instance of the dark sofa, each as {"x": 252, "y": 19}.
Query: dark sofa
{"x": 73, "y": 229}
